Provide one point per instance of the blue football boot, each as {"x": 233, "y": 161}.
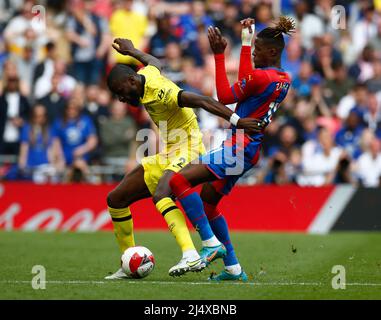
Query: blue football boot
{"x": 209, "y": 254}
{"x": 226, "y": 276}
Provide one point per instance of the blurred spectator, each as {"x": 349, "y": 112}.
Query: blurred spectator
{"x": 163, "y": 37}
{"x": 53, "y": 102}
{"x": 348, "y": 137}
{"x": 293, "y": 58}
{"x": 10, "y": 72}
{"x": 339, "y": 86}
{"x": 319, "y": 160}
{"x": 371, "y": 115}
{"x": 247, "y": 9}
{"x": 26, "y": 64}
{"x": 356, "y": 98}
{"x": 302, "y": 110}
{"x": 120, "y": 26}
{"x": 45, "y": 68}
{"x": 103, "y": 8}
{"x": 38, "y": 160}
{"x": 323, "y": 8}
{"x": 117, "y": 135}
{"x": 4, "y": 54}
{"x": 362, "y": 69}
{"x": 7, "y": 10}
{"x": 66, "y": 83}
{"x": 325, "y": 56}
{"x": 23, "y": 29}
{"x": 374, "y": 83}
{"x": 304, "y": 80}
{"x": 173, "y": 63}
{"x": 88, "y": 35}
{"x": 287, "y": 141}
{"x": 364, "y": 29}
{"x": 310, "y": 25}
{"x": 318, "y": 102}
{"x": 343, "y": 170}
{"x": 368, "y": 166}
{"x": 375, "y": 41}
{"x": 76, "y": 135}
{"x": 263, "y": 16}
{"x": 195, "y": 79}
{"x": 197, "y": 21}
{"x": 217, "y": 12}
{"x": 14, "y": 110}
{"x": 95, "y": 108}
{"x": 229, "y": 25}
{"x": 284, "y": 158}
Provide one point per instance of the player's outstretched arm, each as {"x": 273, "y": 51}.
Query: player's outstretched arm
{"x": 218, "y": 45}
{"x": 247, "y": 36}
{"x": 192, "y": 100}
{"x": 126, "y": 47}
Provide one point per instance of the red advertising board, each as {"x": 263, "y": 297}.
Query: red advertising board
{"x": 81, "y": 207}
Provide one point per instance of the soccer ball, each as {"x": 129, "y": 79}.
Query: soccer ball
{"x": 137, "y": 262}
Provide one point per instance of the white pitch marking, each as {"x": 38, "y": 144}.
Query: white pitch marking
{"x": 311, "y": 284}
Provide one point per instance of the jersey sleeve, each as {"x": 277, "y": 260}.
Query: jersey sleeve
{"x": 160, "y": 88}
{"x": 253, "y": 83}
{"x": 245, "y": 63}
{"x": 224, "y": 92}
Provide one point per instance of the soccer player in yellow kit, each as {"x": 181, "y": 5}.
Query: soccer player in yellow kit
{"x": 166, "y": 104}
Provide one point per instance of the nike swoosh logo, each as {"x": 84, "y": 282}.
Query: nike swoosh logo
{"x": 193, "y": 263}
{"x": 210, "y": 258}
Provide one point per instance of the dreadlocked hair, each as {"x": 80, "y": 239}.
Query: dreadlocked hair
{"x": 274, "y": 35}
{"x": 285, "y": 25}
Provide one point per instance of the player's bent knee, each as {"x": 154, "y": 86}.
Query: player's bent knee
{"x": 157, "y": 197}
{"x": 161, "y": 194}
{"x": 114, "y": 200}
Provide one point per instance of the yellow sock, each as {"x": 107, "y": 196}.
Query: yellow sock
{"x": 123, "y": 227}
{"x": 176, "y": 223}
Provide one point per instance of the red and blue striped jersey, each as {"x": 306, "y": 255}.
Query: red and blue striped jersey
{"x": 260, "y": 93}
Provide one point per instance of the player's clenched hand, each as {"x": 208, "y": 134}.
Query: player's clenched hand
{"x": 123, "y": 46}
{"x": 247, "y": 23}
{"x": 251, "y": 125}
{"x": 248, "y": 29}
{"x": 217, "y": 42}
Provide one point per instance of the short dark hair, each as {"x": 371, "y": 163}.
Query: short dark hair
{"x": 119, "y": 72}
{"x": 274, "y": 35}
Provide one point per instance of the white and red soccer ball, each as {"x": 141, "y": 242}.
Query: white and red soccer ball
{"x": 137, "y": 262}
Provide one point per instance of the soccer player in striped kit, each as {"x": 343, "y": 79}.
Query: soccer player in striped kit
{"x": 258, "y": 93}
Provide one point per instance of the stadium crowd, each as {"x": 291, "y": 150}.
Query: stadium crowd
{"x": 59, "y": 123}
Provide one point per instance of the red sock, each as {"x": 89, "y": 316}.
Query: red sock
{"x": 180, "y": 186}
{"x": 211, "y": 211}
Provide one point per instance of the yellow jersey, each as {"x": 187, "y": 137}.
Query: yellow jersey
{"x": 160, "y": 99}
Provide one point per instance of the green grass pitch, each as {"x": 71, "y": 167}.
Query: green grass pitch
{"x": 280, "y": 266}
